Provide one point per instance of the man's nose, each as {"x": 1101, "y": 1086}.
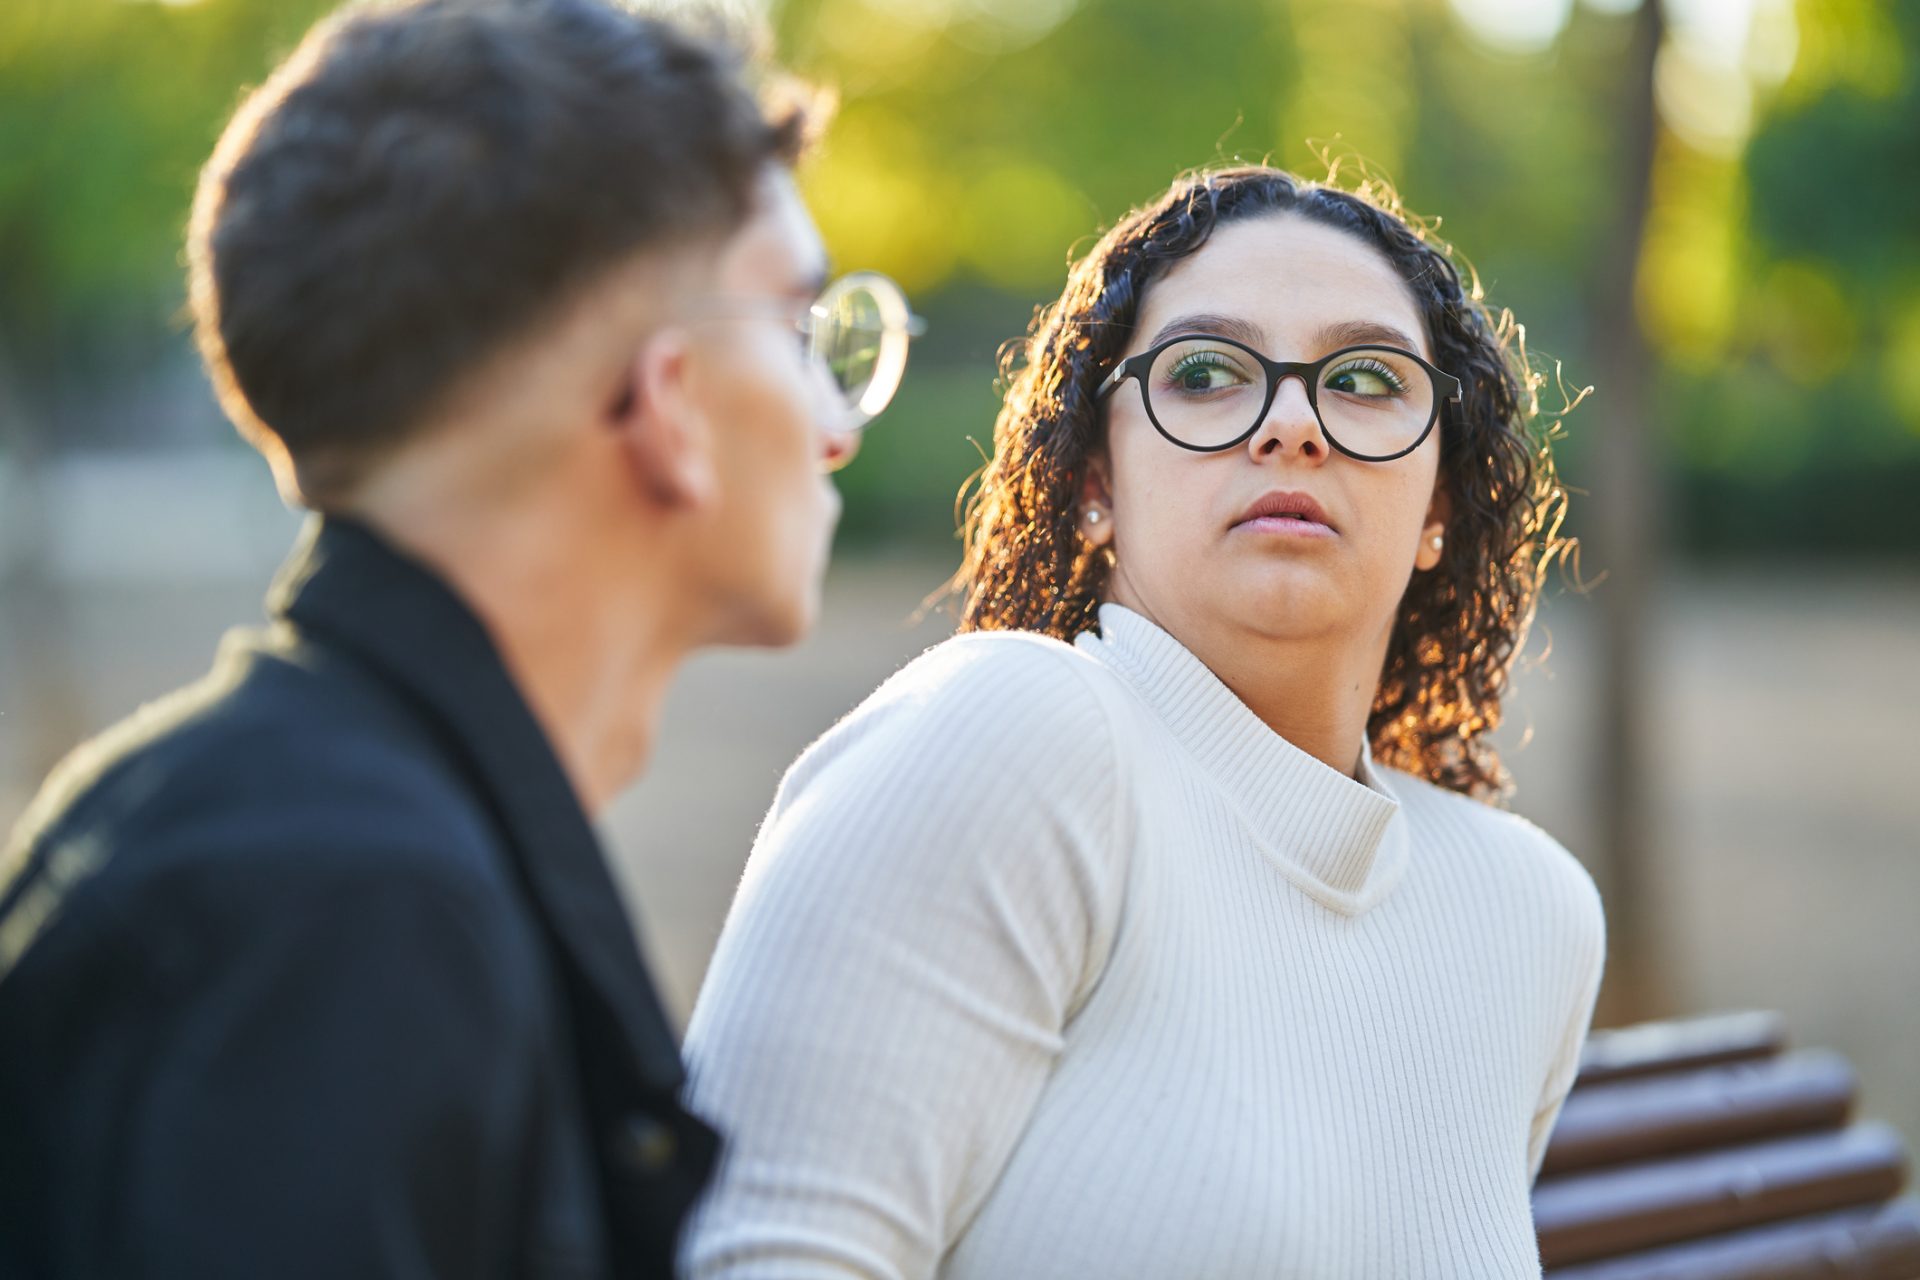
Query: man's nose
{"x": 837, "y": 448}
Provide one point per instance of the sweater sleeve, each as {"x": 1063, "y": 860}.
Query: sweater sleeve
{"x": 929, "y": 901}
{"x": 1590, "y": 951}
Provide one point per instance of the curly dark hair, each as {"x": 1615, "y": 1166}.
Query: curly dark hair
{"x": 1460, "y": 626}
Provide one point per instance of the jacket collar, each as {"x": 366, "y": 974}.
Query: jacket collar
{"x": 1341, "y": 839}
{"x": 346, "y": 586}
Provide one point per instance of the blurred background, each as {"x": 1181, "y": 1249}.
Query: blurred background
{"x": 1707, "y": 210}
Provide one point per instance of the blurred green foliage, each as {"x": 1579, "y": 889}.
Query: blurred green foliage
{"x": 978, "y": 142}
{"x": 107, "y": 110}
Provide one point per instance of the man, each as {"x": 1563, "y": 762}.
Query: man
{"x": 315, "y": 968}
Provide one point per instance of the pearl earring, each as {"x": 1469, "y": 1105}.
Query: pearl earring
{"x": 1436, "y": 542}
{"x": 1093, "y": 516}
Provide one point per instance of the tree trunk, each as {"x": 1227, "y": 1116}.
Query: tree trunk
{"x": 1628, "y": 508}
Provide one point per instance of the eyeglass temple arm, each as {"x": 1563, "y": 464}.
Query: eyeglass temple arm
{"x": 914, "y": 325}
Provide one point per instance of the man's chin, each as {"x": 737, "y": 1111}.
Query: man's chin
{"x": 788, "y": 630}
{"x": 776, "y": 624}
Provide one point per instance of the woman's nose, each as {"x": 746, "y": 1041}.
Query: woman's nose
{"x": 1291, "y": 425}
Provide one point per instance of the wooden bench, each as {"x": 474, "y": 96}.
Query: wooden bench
{"x": 1705, "y": 1149}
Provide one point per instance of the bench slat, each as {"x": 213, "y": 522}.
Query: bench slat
{"x": 1878, "y": 1243}
{"x": 1641, "y": 1117}
{"x": 1673, "y": 1044}
{"x": 1610, "y": 1211}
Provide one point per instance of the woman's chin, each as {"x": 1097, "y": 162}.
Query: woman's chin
{"x": 1288, "y": 605}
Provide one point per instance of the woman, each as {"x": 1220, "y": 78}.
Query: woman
{"x": 1155, "y": 926}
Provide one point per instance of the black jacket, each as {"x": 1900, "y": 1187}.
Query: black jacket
{"x": 316, "y": 968}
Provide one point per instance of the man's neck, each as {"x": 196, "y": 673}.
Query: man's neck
{"x": 592, "y": 652}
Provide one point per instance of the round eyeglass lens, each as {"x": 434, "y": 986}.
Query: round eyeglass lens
{"x": 1375, "y": 401}
{"x": 860, "y": 329}
{"x": 1205, "y": 392}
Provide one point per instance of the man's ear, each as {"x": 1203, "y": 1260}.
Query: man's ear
{"x": 666, "y": 435}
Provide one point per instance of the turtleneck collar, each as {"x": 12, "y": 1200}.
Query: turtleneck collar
{"x": 1339, "y": 839}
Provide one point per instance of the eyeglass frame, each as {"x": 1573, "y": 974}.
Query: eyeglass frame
{"x": 810, "y": 313}
{"x": 1446, "y": 387}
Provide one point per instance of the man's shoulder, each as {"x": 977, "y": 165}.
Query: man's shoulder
{"x": 279, "y": 777}
{"x": 275, "y": 723}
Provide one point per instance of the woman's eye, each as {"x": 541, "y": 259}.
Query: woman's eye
{"x": 1365, "y": 378}
{"x": 1208, "y": 371}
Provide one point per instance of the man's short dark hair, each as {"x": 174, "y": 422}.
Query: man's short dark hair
{"x": 423, "y": 180}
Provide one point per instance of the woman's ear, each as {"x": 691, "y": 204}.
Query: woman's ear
{"x": 1096, "y": 515}
{"x": 1433, "y": 532}
{"x": 666, "y": 436}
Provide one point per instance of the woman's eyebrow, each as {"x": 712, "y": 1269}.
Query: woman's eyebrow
{"x": 1344, "y": 333}
{"x": 1350, "y": 333}
{"x": 1203, "y": 322}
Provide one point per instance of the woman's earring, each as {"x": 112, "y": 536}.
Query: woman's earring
{"x": 1093, "y": 516}
{"x": 1437, "y": 540}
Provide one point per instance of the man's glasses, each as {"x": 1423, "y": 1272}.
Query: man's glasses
{"x": 858, "y": 328}
{"x": 856, "y": 333}
{"x": 1208, "y": 393}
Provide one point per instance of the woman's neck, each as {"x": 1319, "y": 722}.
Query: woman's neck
{"x": 1317, "y": 692}
{"x": 1315, "y": 699}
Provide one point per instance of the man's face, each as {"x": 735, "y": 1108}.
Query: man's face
{"x": 777, "y": 427}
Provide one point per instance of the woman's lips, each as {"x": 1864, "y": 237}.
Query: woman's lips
{"x": 1285, "y": 527}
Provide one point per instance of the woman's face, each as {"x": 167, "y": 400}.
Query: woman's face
{"x": 1186, "y": 553}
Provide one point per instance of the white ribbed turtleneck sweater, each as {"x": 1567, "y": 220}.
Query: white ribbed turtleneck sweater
{"x": 1054, "y": 961}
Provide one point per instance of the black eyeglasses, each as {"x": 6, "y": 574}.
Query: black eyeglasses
{"x": 1208, "y": 393}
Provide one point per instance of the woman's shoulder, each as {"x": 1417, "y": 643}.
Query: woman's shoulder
{"x": 1004, "y": 679}
{"x": 1513, "y": 848}
{"x": 996, "y": 702}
